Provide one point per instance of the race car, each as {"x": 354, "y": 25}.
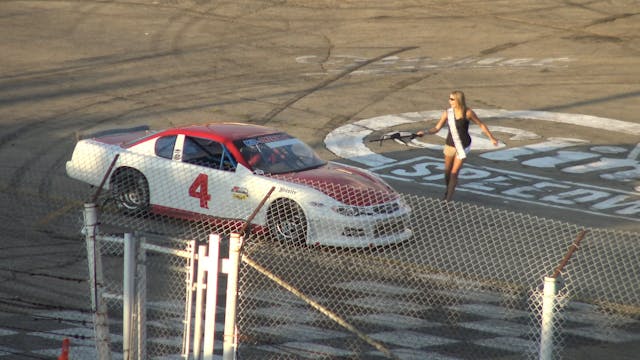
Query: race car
{"x": 223, "y": 171}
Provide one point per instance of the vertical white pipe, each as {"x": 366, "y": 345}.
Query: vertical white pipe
{"x": 212, "y": 297}
{"x": 548, "y": 308}
{"x": 189, "y": 281}
{"x": 99, "y": 307}
{"x": 141, "y": 297}
{"x": 229, "y": 348}
{"x": 197, "y": 331}
{"x": 89, "y": 230}
{"x": 128, "y": 294}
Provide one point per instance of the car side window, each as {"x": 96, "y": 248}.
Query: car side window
{"x": 209, "y": 153}
{"x": 164, "y": 146}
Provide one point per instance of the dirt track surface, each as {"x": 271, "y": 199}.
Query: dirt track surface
{"x": 307, "y": 67}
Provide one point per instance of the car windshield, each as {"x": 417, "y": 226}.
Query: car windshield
{"x": 278, "y": 154}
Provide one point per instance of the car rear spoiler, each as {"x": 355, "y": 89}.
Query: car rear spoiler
{"x": 80, "y": 136}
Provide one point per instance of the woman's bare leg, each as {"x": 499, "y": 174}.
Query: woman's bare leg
{"x": 448, "y": 164}
{"x": 453, "y": 177}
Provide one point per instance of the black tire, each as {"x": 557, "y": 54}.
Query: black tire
{"x": 130, "y": 190}
{"x": 287, "y": 222}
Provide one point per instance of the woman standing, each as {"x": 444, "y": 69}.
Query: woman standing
{"x": 458, "y": 141}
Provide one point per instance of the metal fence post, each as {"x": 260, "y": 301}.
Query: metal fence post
{"x": 141, "y": 297}
{"x": 200, "y": 288}
{"x": 98, "y": 307}
{"x": 548, "y": 310}
{"x": 128, "y": 296}
{"x": 212, "y": 265}
{"x": 189, "y": 286}
{"x": 550, "y": 301}
{"x": 235, "y": 244}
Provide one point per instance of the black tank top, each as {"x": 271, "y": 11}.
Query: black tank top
{"x": 462, "y": 125}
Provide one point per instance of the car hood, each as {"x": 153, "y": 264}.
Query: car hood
{"x": 349, "y": 185}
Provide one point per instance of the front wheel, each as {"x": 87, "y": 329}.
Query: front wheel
{"x": 130, "y": 190}
{"x": 287, "y": 222}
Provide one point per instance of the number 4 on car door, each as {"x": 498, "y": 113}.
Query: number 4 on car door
{"x": 199, "y": 189}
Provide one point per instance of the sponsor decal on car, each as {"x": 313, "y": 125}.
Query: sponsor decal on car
{"x": 239, "y": 193}
{"x": 285, "y": 190}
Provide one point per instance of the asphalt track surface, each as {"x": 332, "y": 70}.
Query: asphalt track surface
{"x": 307, "y": 67}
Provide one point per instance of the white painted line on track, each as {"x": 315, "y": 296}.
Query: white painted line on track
{"x": 607, "y": 162}
{"x": 347, "y": 141}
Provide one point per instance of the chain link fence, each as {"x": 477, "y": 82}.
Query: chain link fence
{"x": 467, "y": 282}
{"x": 158, "y": 299}
{"x": 375, "y": 275}
{"x": 44, "y": 295}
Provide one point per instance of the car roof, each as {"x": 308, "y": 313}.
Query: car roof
{"x": 229, "y": 131}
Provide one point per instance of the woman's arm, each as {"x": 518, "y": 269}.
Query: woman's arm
{"x": 435, "y": 129}
{"x": 473, "y": 117}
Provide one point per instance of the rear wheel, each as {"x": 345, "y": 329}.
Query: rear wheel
{"x": 130, "y": 190}
{"x": 287, "y": 222}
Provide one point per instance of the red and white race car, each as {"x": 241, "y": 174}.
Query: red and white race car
{"x": 224, "y": 170}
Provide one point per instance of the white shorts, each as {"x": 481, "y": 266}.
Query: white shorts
{"x": 451, "y": 151}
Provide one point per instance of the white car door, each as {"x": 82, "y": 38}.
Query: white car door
{"x": 206, "y": 180}
{"x": 201, "y": 177}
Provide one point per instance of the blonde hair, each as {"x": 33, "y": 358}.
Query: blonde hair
{"x": 460, "y": 102}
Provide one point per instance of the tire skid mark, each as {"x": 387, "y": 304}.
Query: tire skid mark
{"x": 578, "y": 32}
{"x": 37, "y": 156}
{"x": 47, "y": 180}
{"x": 179, "y": 36}
{"x": 400, "y": 85}
{"x": 34, "y": 126}
{"x": 328, "y": 82}
{"x": 92, "y": 8}
{"x": 195, "y": 17}
{"x": 47, "y": 175}
{"x": 83, "y": 12}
